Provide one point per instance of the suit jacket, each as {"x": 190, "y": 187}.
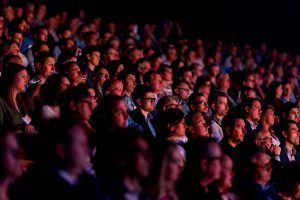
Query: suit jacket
{"x": 138, "y": 117}
{"x": 284, "y": 158}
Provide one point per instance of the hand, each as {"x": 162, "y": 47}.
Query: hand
{"x": 276, "y": 150}
{"x": 82, "y": 79}
{"x": 30, "y": 130}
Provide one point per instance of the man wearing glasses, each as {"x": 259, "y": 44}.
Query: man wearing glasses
{"x": 143, "y": 98}
{"x": 182, "y": 90}
{"x": 289, "y": 151}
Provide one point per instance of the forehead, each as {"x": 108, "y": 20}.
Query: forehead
{"x": 155, "y": 76}
{"x": 149, "y": 94}
{"x": 222, "y": 99}
{"x": 130, "y": 76}
{"x": 200, "y": 98}
{"x": 256, "y": 103}
{"x": 183, "y": 85}
{"x": 239, "y": 122}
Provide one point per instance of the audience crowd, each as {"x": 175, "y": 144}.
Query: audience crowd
{"x": 93, "y": 109}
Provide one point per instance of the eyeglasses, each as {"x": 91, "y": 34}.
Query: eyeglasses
{"x": 185, "y": 89}
{"x": 105, "y": 75}
{"x": 212, "y": 158}
{"x": 150, "y": 99}
{"x": 267, "y": 166}
{"x": 201, "y": 103}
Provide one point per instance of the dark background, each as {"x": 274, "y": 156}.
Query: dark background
{"x": 242, "y": 21}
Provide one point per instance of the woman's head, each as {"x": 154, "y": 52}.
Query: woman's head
{"x": 275, "y": 90}
{"x": 172, "y": 163}
{"x": 14, "y": 78}
{"x": 268, "y": 117}
{"x": 53, "y": 88}
{"x": 174, "y": 122}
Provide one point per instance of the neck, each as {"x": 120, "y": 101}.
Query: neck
{"x": 131, "y": 182}
{"x": 218, "y": 117}
{"x": 91, "y": 67}
{"x": 266, "y": 126}
{"x": 74, "y": 172}
{"x": 232, "y": 143}
{"x": 223, "y": 90}
{"x": 4, "y": 185}
{"x": 127, "y": 93}
{"x": 250, "y": 120}
{"x": 145, "y": 113}
{"x": 289, "y": 146}
{"x": 221, "y": 188}
{"x": 204, "y": 182}
{"x": 262, "y": 183}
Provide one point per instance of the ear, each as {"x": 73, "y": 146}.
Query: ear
{"x": 247, "y": 109}
{"x": 107, "y": 93}
{"x": 139, "y": 102}
{"x": 256, "y": 142}
{"x": 203, "y": 165}
{"x": 191, "y": 129}
{"x": 88, "y": 56}
{"x": 213, "y": 106}
{"x": 170, "y": 127}
{"x": 284, "y": 133}
{"x": 176, "y": 91}
{"x": 72, "y": 105}
{"x": 227, "y": 128}
{"x": 60, "y": 151}
{"x": 38, "y": 66}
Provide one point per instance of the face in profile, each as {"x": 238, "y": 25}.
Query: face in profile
{"x": 77, "y": 152}
{"x": 9, "y": 158}
{"x": 142, "y": 158}
{"x": 174, "y": 163}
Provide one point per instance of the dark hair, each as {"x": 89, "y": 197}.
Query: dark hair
{"x": 7, "y": 83}
{"x": 200, "y": 82}
{"x": 288, "y": 106}
{"x": 140, "y": 92}
{"x": 113, "y": 66}
{"x": 147, "y": 75}
{"x": 41, "y": 57}
{"x": 286, "y": 125}
{"x": 215, "y": 95}
{"x": 272, "y": 90}
{"x": 75, "y": 94}
{"x": 50, "y": 90}
{"x": 229, "y": 121}
{"x": 56, "y": 131}
{"x": 192, "y": 98}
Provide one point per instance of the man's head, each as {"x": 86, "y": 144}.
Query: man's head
{"x": 234, "y": 128}
{"x": 153, "y": 80}
{"x": 223, "y": 81}
{"x": 44, "y": 63}
{"x": 92, "y": 55}
{"x": 262, "y": 168}
{"x": 181, "y": 89}
{"x": 76, "y": 102}
{"x": 197, "y": 102}
{"x": 291, "y": 132}
{"x": 144, "y": 98}
{"x": 112, "y": 87}
{"x": 197, "y": 125}
{"x": 253, "y": 109}
{"x": 219, "y": 104}
{"x": 249, "y": 80}
{"x": 68, "y": 144}
{"x": 204, "y": 159}
{"x": 115, "y": 111}
{"x": 290, "y": 111}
